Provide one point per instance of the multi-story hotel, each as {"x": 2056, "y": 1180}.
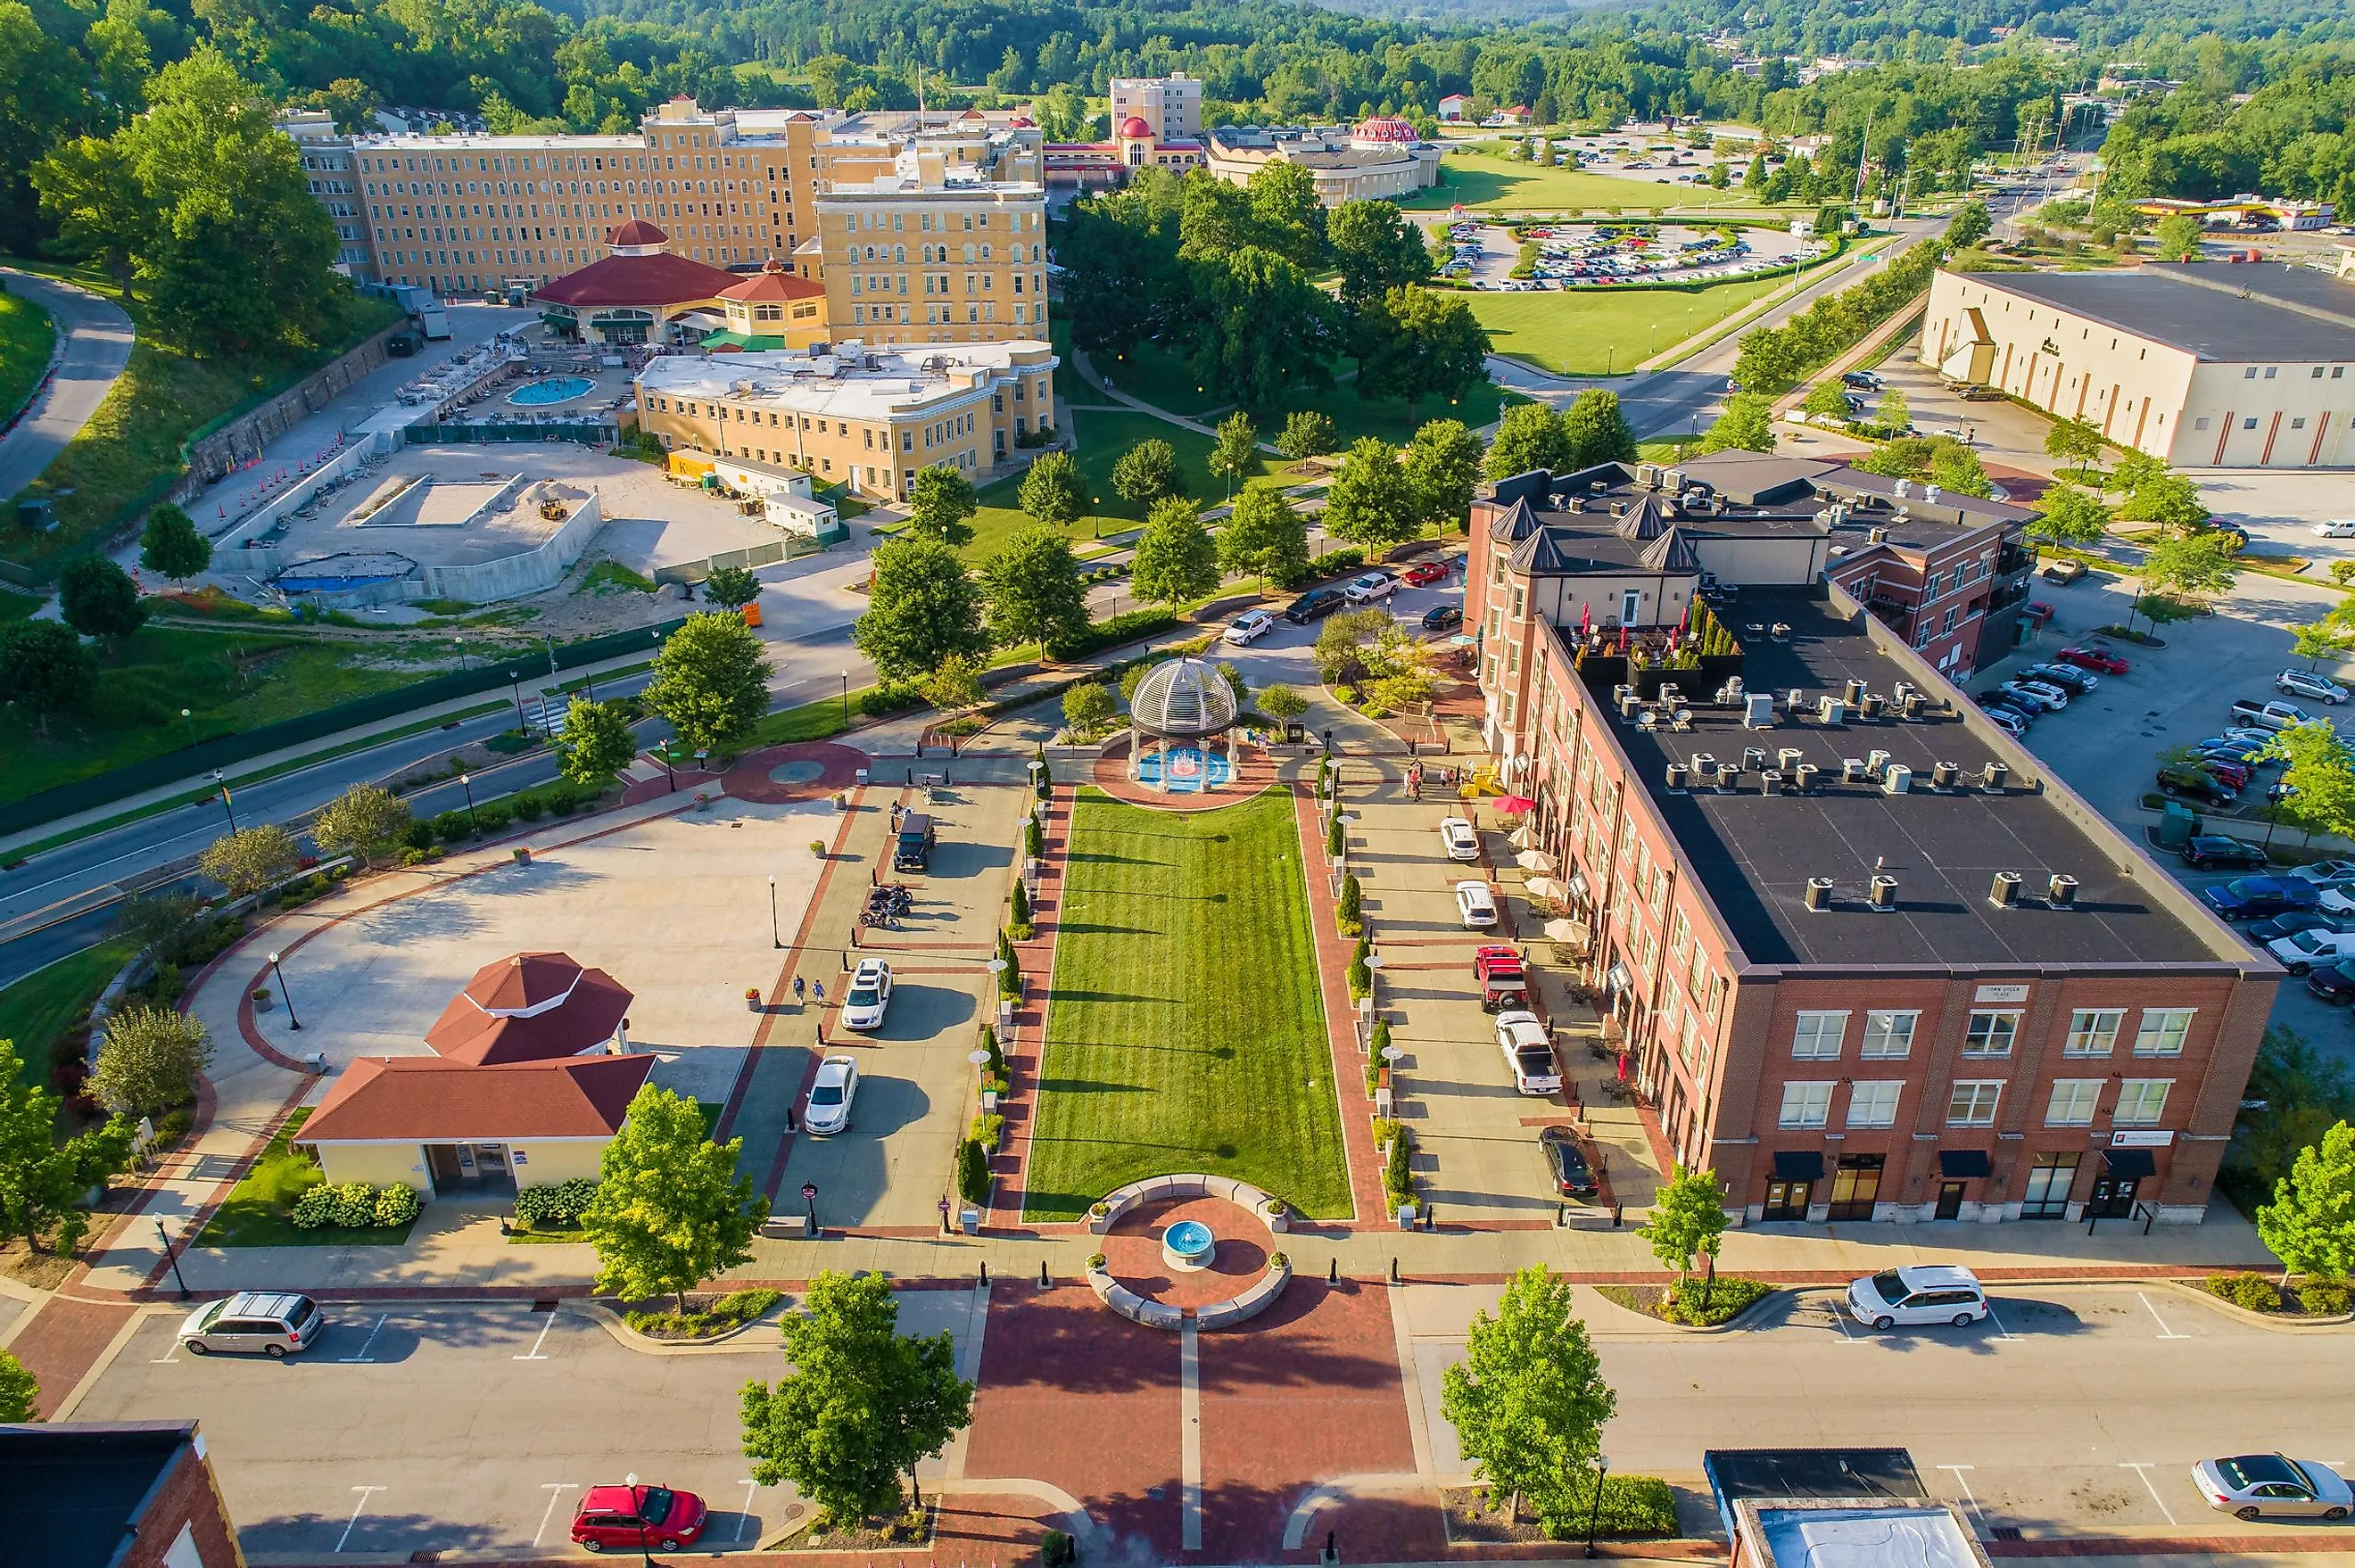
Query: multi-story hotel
{"x": 1867, "y": 957}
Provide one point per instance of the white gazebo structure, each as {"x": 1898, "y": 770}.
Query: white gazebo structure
{"x": 1182, "y": 701}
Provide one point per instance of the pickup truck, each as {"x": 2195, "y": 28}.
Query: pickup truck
{"x": 2269, "y": 715}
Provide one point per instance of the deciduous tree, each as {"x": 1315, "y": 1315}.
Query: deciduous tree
{"x": 1264, "y": 535}
{"x": 671, "y": 1210}
{"x": 2071, "y": 516}
{"x": 1597, "y": 429}
{"x": 2199, "y": 565}
{"x": 1307, "y": 433}
{"x": 940, "y": 499}
{"x": 1260, "y": 329}
{"x": 251, "y": 859}
{"x": 1033, "y": 590}
{"x": 2310, "y": 1223}
{"x": 2160, "y": 495}
{"x": 1442, "y": 463}
{"x": 710, "y": 680}
{"x": 20, "y": 1390}
{"x": 1052, "y": 492}
{"x": 1177, "y": 559}
{"x": 1371, "y": 501}
{"x": 2073, "y": 439}
{"x": 922, "y": 606}
{"x": 1087, "y": 707}
{"x": 1747, "y": 424}
{"x": 1237, "y": 452}
{"x": 41, "y": 1179}
{"x": 733, "y": 587}
{"x": 98, "y": 599}
{"x": 954, "y": 684}
{"x": 1528, "y": 1401}
{"x": 1146, "y": 472}
{"x": 1827, "y": 398}
{"x": 44, "y": 669}
{"x": 170, "y": 546}
{"x": 365, "y": 821}
{"x": 597, "y": 742}
{"x": 1969, "y": 225}
{"x": 1377, "y": 249}
{"x": 1688, "y": 1220}
{"x": 1529, "y": 436}
{"x": 1413, "y": 344}
{"x": 148, "y": 1060}
{"x": 2178, "y": 239}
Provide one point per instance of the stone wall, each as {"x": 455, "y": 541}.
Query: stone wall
{"x": 243, "y": 439}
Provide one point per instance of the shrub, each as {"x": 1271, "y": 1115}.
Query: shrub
{"x": 417, "y": 834}
{"x": 745, "y": 1305}
{"x": 353, "y": 1206}
{"x": 890, "y": 696}
{"x": 1349, "y": 914}
{"x": 1056, "y": 1549}
{"x": 529, "y": 807}
{"x": 449, "y": 826}
{"x": 555, "y": 1204}
{"x": 973, "y": 1173}
{"x": 495, "y": 817}
{"x": 1629, "y": 1505}
{"x": 2250, "y": 1292}
{"x": 315, "y": 1208}
{"x": 561, "y": 805}
{"x": 1730, "y": 1293}
{"x": 396, "y": 1205}
{"x": 1335, "y": 562}
{"x": 2323, "y": 1298}
{"x": 1397, "y": 1176}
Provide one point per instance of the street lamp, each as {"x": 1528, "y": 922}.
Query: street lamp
{"x": 1594, "y": 1512}
{"x": 846, "y": 700}
{"x": 515, "y": 687}
{"x": 226, "y": 807}
{"x": 173, "y": 1258}
{"x": 668, "y": 772}
{"x": 191, "y": 723}
{"x": 776, "y": 940}
{"x": 809, "y": 1199}
{"x": 466, "y": 783}
{"x": 291, "y": 1021}
{"x": 638, "y": 1509}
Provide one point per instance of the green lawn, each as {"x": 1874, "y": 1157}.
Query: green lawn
{"x": 1588, "y": 332}
{"x": 1161, "y": 378}
{"x": 254, "y": 1214}
{"x": 1185, "y": 1029}
{"x": 42, "y": 1006}
{"x": 229, "y": 680}
{"x": 26, "y": 338}
{"x": 1481, "y": 179}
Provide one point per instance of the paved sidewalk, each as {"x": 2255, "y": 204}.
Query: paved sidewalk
{"x": 96, "y": 337}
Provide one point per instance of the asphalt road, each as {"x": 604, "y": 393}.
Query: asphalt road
{"x": 98, "y": 345}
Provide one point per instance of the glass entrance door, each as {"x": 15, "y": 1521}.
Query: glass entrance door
{"x": 1788, "y": 1199}
{"x": 1855, "y": 1185}
{"x": 2048, "y": 1187}
{"x": 1950, "y": 1199}
{"x": 2114, "y": 1197}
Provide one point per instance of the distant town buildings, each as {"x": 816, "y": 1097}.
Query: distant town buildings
{"x": 1381, "y": 156}
{"x": 1171, "y": 106}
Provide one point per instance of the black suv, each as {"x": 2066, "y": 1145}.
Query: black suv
{"x": 1314, "y": 605}
{"x": 2207, "y": 851}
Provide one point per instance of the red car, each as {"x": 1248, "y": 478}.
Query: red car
{"x": 1423, "y": 573}
{"x": 628, "y": 1518}
{"x": 1496, "y": 959}
{"x": 2101, "y": 659}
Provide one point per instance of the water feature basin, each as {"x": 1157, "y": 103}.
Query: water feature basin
{"x": 1188, "y": 1245}
{"x": 1190, "y": 770}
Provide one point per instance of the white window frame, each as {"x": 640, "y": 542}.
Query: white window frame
{"x": 1806, "y": 1105}
{"x": 2161, "y": 1031}
{"x": 2073, "y": 1102}
{"x": 2087, "y": 1026}
{"x": 2136, "y": 1106}
{"x": 1881, "y": 1029}
{"x": 1979, "y": 1043}
{"x": 1963, "y": 1106}
{"x": 1808, "y": 1031}
{"x": 1874, "y": 1103}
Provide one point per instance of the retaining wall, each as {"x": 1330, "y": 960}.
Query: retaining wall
{"x": 528, "y": 572}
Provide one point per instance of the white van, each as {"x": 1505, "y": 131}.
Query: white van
{"x": 1935, "y": 1293}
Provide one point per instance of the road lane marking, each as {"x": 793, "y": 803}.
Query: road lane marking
{"x": 2000, "y": 1331}
{"x": 367, "y": 1344}
{"x": 536, "y": 1344}
{"x": 745, "y": 1522}
{"x": 2144, "y": 1471}
{"x": 1963, "y": 1480}
{"x": 2164, "y": 1331}
{"x": 555, "y": 1490}
{"x": 364, "y": 1492}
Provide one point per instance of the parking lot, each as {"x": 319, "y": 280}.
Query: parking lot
{"x": 457, "y": 1428}
{"x": 1577, "y": 256}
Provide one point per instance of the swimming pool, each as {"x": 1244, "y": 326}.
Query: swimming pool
{"x": 1191, "y": 769}
{"x": 551, "y": 389}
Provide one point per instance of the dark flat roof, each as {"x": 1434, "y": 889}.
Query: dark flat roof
{"x": 2201, "y": 307}
{"x": 1826, "y": 1474}
{"x": 83, "y": 1483}
{"x": 1754, "y": 852}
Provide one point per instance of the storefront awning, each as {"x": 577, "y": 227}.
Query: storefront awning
{"x": 2129, "y": 1162}
{"x": 1963, "y": 1164}
{"x": 1799, "y": 1165}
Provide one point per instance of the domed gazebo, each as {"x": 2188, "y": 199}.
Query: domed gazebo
{"x": 1183, "y": 703}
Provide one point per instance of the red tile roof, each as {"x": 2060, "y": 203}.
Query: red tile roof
{"x": 523, "y": 980}
{"x": 423, "y": 1099}
{"x": 531, "y": 1007}
{"x": 774, "y": 282}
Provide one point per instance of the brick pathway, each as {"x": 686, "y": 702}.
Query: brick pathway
{"x": 63, "y": 1341}
{"x": 1025, "y": 1045}
{"x": 1333, "y": 952}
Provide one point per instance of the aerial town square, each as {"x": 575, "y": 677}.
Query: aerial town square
{"x": 1126, "y": 782}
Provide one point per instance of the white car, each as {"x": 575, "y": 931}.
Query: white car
{"x": 2336, "y": 528}
{"x": 1931, "y": 1293}
{"x": 2050, "y": 696}
{"x": 1462, "y": 840}
{"x": 253, "y": 1322}
{"x": 2304, "y": 683}
{"x": 1529, "y": 1053}
{"x": 869, "y": 994}
{"x": 1249, "y": 627}
{"x": 1476, "y": 905}
{"x": 828, "y": 1110}
{"x": 2326, "y": 873}
{"x": 1373, "y": 585}
{"x": 2256, "y": 1484}
{"x": 2308, "y": 950}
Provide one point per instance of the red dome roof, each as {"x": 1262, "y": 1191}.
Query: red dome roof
{"x": 637, "y": 231}
{"x": 1134, "y": 128}
{"x": 1384, "y": 128}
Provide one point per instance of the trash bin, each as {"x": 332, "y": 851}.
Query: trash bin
{"x": 862, "y": 777}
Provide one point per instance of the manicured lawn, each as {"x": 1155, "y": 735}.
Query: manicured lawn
{"x": 254, "y": 1214}
{"x": 231, "y": 681}
{"x": 1185, "y": 1029}
{"x": 1586, "y": 332}
{"x": 26, "y": 338}
{"x": 1480, "y": 179}
{"x": 1156, "y": 375}
{"x": 42, "y": 1006}
{"x": 1162, "y": 378}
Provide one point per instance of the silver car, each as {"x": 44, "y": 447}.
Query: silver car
{"x": 270, "y": 1323}
{"x": 2256, "y": 1485}
{"x": 828, "y": 1110}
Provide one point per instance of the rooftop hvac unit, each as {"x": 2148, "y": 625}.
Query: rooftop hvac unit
{"x": 1852, "y": 769}
{"x": 1628, "y": 702}
{"x": 2005, "y": 892}
{"x": 1853, "y": 692}
{"x": 1881, "y": 895}
{"x": 1648, "y": 475}
{"x": 2062, "y": 891}
{"x": 1998, "y": 778}
{"x": 1876, "y": 761}
{"x": 1758, "y": 710}
{"x": 1804, "y": 777}
{"x": 1832, "y": 711}
{"x": 1771, "y": 781}
{"x": 1819, "y": 894}
{"x": 1902, "y": 488}
{"x": 1672, "y": 480}
{"x": 1788, "y": 757}
{"x": 1898, "y": 691}
{"x": 1753, "y": 759}
{"x": 1944, "y": 774}
{"x": 1871, "y": 706}
{"x": 1798, "y": 699}
{"x": 1913, "y": 709}
{"x": 1678, "y": 777}
{"x": 1897, "y": 780}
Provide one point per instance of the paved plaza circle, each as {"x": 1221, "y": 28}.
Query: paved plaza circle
{"x": 798, "y": 771}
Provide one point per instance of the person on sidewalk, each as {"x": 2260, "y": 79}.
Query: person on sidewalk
{"x": 799, "y": 987}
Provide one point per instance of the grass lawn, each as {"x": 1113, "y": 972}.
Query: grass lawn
{"x": 1480, "y": 179}
{"x": 42, "y": 1006}
{"x": 26, "y": 338}
{"x": 1161, "y": 378}
{"x": 1185, "y": 1029}
{"x": 229, "y": 680}
{"x": 1588, "y": 332}
{"x": 254, "y": 1214}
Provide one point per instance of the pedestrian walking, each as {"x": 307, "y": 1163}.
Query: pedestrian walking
{"x": 800, "y": 986}
{"x": 819, "y": 986}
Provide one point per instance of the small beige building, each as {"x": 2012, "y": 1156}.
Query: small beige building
{"x": 445, "y": 1126}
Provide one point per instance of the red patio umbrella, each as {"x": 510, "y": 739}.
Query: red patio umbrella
{"x": 1514, "y": 805}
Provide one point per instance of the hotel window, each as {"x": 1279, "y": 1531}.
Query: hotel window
{"x": 2140, "y": 1101}
{"x": 1888, "y": 1035}
{"x": 1806, "y": 1105}
{"x": 1818, "y": 1036}
{"x": 2072, "y": 1103}
{"x": 1972, "y": 1103}
{"x": 2162, "y": 1030}
{"x": 1991, "y": 1034}
{"x": 2093, "y": 1031}
{"x": 1873, "y": 1105}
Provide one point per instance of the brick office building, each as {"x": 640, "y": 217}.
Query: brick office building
{"x": 115, "y": 1494}
{"x": 1867, "y": 958}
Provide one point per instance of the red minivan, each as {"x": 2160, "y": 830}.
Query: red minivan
{"x": 627, "y": 1517}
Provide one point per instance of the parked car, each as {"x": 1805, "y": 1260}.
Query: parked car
{"x": 2035, "y": 697}
{"x": 2098, "y": 659}
{"x": 1476, "y": 905}
{"x": 1566, "y": 1164}
{"x": 1249, "y": 627}
{"x": 2325, "y": 873}
{"x": 2334, "y": 983}
{"x": 870, "y": 993}
{"x": 2229, "y": 771}
{"x": 2005, "y": 702}
{"x": 1916, "y": 1295}
{"x": 1441, "y": 618}
{"x": 2197, "y": 783}
{"x": 2231, "y": 530}
{"x": 2336, "y": 528}
{"x": 2065, "y": 572}
{"x": 2011, "y": 721}
{"x": 1314, "y": 605}
{"x": 1460, "y": 838}
{"x": 828, "y": 1110}
{"x": 2232, "y": 750}
{"x": 1504, "y": 983}
{"x": 1862, "y": 380}
{"x": 1369, "y": 588}
{"x": 2305, "y": 683}
{"x": 2256, "y": 1485}
{"x": 2068, "y": 678}
{"x": 2310, "y": 950}
{"x": 627, "y": 1519}
{"x": 1529, "y": 1052}
{"x": 2058, "y": 696}
{"x": 2269, "y": 715}
{"x": 1424, "y": 573}
{"x": 254, "y": 1322}
{"x": 2207, "y": 851}
{"x": 2299, "y": 920}
{"x": 2260, "y": 897}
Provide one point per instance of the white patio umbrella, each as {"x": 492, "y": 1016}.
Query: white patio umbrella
{"x": 1535, "y": 861}
{"x": 1570, "y": 932}
{"x": 1546, "y": 887}
{"x": 1524, "y": 837}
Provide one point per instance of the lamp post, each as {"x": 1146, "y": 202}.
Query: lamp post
{"x": 980, "y": 1060}
{"x": 1594, "y": 1512}
{"x": 846, "y": 700}
{"x": 173, "y": 1258}
{"x": 228, "y": 810}
{"x": 668, "y": 772}
{"x": 191, "y": 723}
{"x": 291, "y": 1021}
{"x": 638, "y": 1509}
{"x": 809, "y": 1200}
{"x": 775, "y": 938}
{"x": 516, "y": 688}
{"x": 466, "y": 783}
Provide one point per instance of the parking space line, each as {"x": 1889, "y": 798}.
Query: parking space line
{"x": 1963, "y": 1480}
{"x": 555, "y": 1490}
{"x": 2000, "y": 1331}
{"x": 2164, "y": 1331}
{"x": 365, "y": 1493}
{"x": 744, "y": 1520}
{"x": 370, "y": 1342}
{"x": 536, "y": 1344}
{"x": 2144, "y": 1471}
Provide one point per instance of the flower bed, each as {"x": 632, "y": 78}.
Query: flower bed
{"x": 713, "y": 1319}
{"x": 1683, "y": 1303}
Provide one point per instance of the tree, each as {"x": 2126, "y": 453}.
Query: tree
{"x": 2295, "y": 1093}
{"x": 1177, "y": 559}
{"x": 733, "y": 587}
{"x": 1265, "y": 537}
{"x": 2167, "y": 499}
{"x": 148, "y": 1061}
{"x": 1895, "y": 414}
{"x": 1597, "y": 430}
{"x": 2070, "y": 515}
{"x": 1260, "y": 329}
{"x": 1769, "y": 361}
{"x": 598, "y": 742}
{"x": 954, "y": 685}
{"x": 1237, "y": 452}
{"x": 160, "y": 924}
{"x": 1282, "y": 703}
{"x": 859, "y": 1405}
{"x": 1443, "y": 464}
{"x": 44, "y": 669}
{"x": 1146, "y": 472}
{"x": 1033, "y": 590}
{"x": 41, "y": 1179}
{"x": 1529, "y": 436}
{"x": 1969, "y": 225}
{"x": 2075, "y": 439}
{"x": 1827, "y": 398}
{"x": 710, "y": 680}
{"x": 1688, "y": 1221}
{"x": 1377, "y": 249}
{"x": 20, "y": 1390}
{"x": 1372, "y": 501}
{"x": 98, "y": 599}
{"x": 924, "y": 606}
{"x": 671, "y": 1210}
{"x": 1087, "y": 707}
{"x": 251, "y": 859}
{"x": 940, "y": 499}
{"x": 1307, "y": 433}
{"x": 170, "y": 546}
{"x": 1286, "y": 216}
{"x": 1413, "y": 343}
{"x": 1747, "y": 424}
{"x": 2319, "y": 771}
{"x": 2318, "y": 640}
{"x": 2310, "y": 1223}
{"x": 1051, "y": 492}
{"x": 1528, "y": 1401}
{"x": 2199, "y": 565}
{"x": 364, "y": 821}
{"x": 2178, "y": 238}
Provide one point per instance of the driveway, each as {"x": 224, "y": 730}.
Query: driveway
{"x": 98, "y": 339}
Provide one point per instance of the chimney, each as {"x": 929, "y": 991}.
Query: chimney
{"x": 1881, "y": 894}
{"x": 2005, "y": 893}
{"x": 1819, "y": 894}
{"x": 2062, "y": 892}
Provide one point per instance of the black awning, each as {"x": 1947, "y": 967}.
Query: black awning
{"x": 2132, "y": 1162}
{"x": 1799, "y": 1165}
{"x": 1961, "y": 1164}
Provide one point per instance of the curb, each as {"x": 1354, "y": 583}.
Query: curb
{"x": 629, "y": 1338}
{"x": 2276, "y": 1323}
{"x": 1731, "y": 1325}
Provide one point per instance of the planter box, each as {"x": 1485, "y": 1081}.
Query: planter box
{"x": 1098, "y": 1224}
{"x": 1406, "y": 1216}
{"x": 1278, "y": 1222}
{"x": 522, "y": 855}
